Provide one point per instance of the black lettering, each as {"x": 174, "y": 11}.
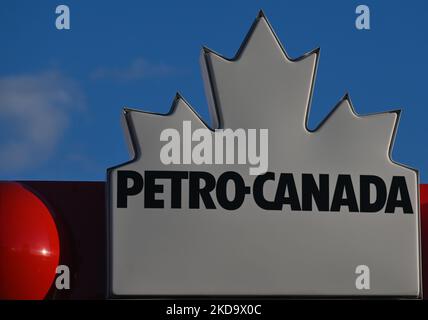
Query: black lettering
{"x": 344, "y": 184}
{"x": 221, "y": 190}
{"x": 196, "y": 191}
{"x": 176, "y": 178}
{"x": 151, "y": 189}
{"x": 310, "y": 190}
{"x": 258, "y": 193}
{"x": 123, "y": 191}
{"x": 286, "y": 182}
{"x": 365, "y": 202}
{"x": 398, "y": 186}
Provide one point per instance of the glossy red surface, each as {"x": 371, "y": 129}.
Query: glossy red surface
{"x": 29, "y": 244}
{"x": 27, "y": 227}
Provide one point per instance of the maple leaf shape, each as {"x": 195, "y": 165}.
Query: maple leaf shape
{"x": 215, "y": 252}
{"x": 239, "y": 85}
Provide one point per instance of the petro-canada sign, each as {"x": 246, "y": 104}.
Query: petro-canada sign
{"x": 258, "y": 204}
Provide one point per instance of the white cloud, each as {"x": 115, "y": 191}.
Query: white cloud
{"x": 35, "y": 111}
{"x": 138, "y": 69}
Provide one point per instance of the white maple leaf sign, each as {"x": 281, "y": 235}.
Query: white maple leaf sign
{"x": 331, "y": 200}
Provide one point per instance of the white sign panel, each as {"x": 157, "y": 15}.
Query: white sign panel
{"x": 259, "y": 204}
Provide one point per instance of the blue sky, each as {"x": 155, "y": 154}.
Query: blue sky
{"x": 62, "y": 91}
